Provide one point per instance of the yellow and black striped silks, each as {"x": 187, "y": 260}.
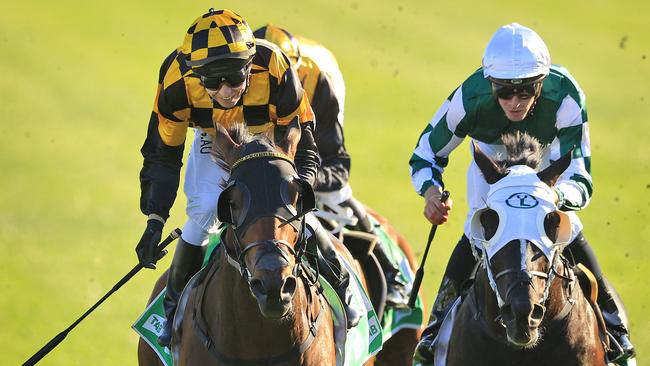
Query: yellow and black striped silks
{"x": 274, "y": 96}
{"x": 216, "y": 35}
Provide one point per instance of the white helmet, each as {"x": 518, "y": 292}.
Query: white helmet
{"x": 516, "y": 52}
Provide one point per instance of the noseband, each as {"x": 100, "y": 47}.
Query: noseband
{"x": 276, "y": 206}
{"x": 525, "y": 278}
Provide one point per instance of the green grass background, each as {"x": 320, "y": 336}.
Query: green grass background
{"x": 76, "y": 89}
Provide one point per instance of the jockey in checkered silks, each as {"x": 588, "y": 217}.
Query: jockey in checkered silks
{"x": 220, "y": 75}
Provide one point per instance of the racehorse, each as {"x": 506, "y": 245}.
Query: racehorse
{"x": 254, "y": 304}
{"x": 525, "y": 306}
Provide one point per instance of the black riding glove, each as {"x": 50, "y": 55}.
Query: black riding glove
{"x": 146, "y": 248}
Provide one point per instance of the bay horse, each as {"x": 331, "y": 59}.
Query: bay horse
{"x": 525, "y": 306}
{"x": 264, "y": 319}
{"x": 255, "y": 303}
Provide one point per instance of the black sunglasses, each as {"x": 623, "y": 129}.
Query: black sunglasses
{"x": 233, "y": 78}
{"x": 507, "y": 92}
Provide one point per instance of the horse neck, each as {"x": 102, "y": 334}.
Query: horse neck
{"x": 236, "y": 323}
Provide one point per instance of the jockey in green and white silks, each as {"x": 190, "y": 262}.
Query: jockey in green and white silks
{"x": 558, "y": 120}
{"x": 516, "y": 89}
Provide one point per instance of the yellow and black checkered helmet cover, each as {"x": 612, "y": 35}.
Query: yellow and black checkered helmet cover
{"x": 282, "y": 38}
{"x": 218, "y": 34}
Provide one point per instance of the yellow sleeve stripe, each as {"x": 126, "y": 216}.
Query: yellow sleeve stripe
{"x": 172, "y": 133}
{"x": 304, "y": 111}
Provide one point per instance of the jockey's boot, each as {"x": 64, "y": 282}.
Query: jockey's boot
{"x": 621, "y": 348}
{"x": 334, "y": 271}
{"x": 459, "y": 270}
{"x": 396, "y": 294}
{"x": 187, "y": 261}
{"x": 447, "y": 294}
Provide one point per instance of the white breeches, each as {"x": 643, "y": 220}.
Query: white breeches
{"x": 203, "y": 185}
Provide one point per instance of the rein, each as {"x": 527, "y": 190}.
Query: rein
{"x": 525, "y": 277}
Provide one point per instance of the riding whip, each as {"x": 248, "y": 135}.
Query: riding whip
{"x": 160, "y": 249}
{"x": 420, "y": 273}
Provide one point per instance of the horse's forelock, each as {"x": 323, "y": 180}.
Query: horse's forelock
{"x": 240, "y": 134}
{"x": 521, "y": 149}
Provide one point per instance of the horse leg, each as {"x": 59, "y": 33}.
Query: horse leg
{"x": 398, "y": 350}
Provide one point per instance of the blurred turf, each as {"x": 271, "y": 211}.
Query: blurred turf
{"x": 77, "y": 85}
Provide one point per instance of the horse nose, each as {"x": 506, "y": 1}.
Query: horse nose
{"x": 520, "y": 311}
{"x": 274, "y": 289}
{"x": 257, "y": 288}
{"x": 536, "y": 315}
{"x": 288, "y": 289}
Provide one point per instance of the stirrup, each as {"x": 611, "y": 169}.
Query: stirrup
{"x": 424, "y": 351}
{"x": 621, "y": 348}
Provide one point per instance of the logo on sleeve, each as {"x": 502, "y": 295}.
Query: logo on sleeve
{"x": 522, "y": 200}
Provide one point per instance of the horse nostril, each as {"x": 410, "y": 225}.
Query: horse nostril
{"x": 289, "y": 286}
{"x": 257, "y": 287}
{"x": 538, "y": 313}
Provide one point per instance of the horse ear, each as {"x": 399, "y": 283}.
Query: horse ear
{"x": 491, "y": 172}
{"x": 224, "y": 145}
{"x": 553, "y": 171}
{"x": 289, "y": 143}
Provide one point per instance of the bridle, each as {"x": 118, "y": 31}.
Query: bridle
{"x": 239, "y": 226}
{"x": 284, "y": 248}
{"x": 524, "y": 277}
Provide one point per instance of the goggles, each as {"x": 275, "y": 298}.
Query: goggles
{"x": 507, "y": 92}
{"x": 233, "y": 78}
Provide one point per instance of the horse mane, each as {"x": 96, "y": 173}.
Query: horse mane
{"x": 521, "y": 149}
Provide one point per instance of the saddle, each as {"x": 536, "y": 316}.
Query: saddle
{"x": 361, "y": 245}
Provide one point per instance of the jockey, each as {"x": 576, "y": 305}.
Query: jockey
{"x": 517, "y": 89}
{"x": 220, "y": 74}
{"x": 321, "y": 78}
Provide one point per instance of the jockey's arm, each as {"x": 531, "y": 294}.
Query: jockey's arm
{"x": 574, "y": 187}
{"x": 431, "y": 155}
{"x": 292, "y": 102}
{"x": 334, "y": 172}
{"x": 162, "y": 152}
{"x": 439, "y": 138}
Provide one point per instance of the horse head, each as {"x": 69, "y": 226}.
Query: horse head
{"x": 522, "y": 234}
{"x": 263, "y": 204}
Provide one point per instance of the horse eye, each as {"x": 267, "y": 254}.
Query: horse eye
{"x": 551, "y": 225}
{"x": 490, "y": 223}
